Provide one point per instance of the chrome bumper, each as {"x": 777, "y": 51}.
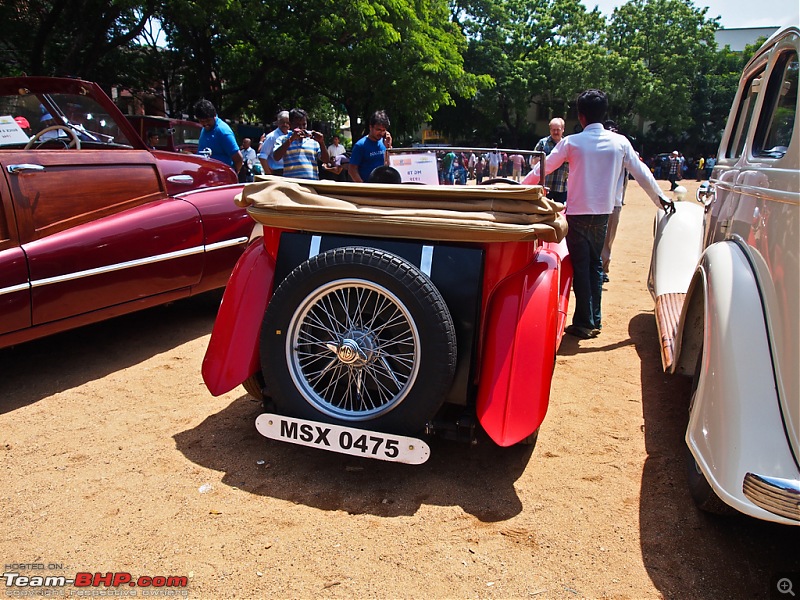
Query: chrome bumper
{"x": 778, "y": 496}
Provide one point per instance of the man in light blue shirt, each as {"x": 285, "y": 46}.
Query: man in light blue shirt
{"x": 217, "y": 136}
{"x": 266, "y": 153}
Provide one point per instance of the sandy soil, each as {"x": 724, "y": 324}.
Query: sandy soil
{"x": 109, "y": 436}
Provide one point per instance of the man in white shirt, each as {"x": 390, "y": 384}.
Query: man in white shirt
{"x": 335, "y": 149}
{"x": 596, "y": 160}
{"x": 249, "y": 158}
{"x": 494, "y": 162}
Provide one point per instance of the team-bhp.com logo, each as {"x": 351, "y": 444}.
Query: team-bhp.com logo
{"x": 94, "y": 580}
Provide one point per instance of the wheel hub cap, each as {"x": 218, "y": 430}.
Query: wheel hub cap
{"x": 356, "y": 349}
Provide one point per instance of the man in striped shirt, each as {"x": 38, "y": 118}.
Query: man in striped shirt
{"x": 300, "y": 149}
{"x": 556, "y": 182}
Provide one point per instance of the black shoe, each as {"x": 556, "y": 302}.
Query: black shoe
{"x": 580, "y": 332}
{"x": 594, "y": 332}
{"x": 605, "y": 277}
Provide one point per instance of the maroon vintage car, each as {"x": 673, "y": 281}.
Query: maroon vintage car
{"x": 93, "y": 224}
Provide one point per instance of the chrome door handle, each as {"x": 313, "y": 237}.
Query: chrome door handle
{"x": 184, "y": 179}
{"x": 14, "y": 169}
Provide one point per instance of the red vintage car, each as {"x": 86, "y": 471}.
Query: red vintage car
{"x": 375, "y": 315}
{"x": 93, "y": 224}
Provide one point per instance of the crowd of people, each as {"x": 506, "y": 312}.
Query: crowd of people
{"x": 675, "y": 166}
{"x": 588, "y": 171}
{"x": 291, "y": 149}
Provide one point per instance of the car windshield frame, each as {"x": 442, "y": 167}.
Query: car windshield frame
{"x": 79, "y": 106}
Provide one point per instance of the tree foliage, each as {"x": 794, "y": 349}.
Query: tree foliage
{"x": 358, "y": 56}
{"x": 475, "y": 69}
{"x": 529, "y": 49}
{"x": 68, "y": 37}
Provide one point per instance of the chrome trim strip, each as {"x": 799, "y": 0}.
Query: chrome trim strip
{"x": 118, "y": 267}
{"x": 313, "y": 249}
{"x": 21, "y": 287}
{"x": 776, "y": 495}
{"x": 426, "y": 261}
{"x": 226, "y": 244}
{"x": 139, "y": 262}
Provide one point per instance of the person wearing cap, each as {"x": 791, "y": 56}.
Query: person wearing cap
{"x": 46, "y": 120}
{"x": 674, "y": 169}
{"x": 596, "y": 158}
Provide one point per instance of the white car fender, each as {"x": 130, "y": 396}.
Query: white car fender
{"x": 677, "y": 249}
{"x": 735, "y": 411}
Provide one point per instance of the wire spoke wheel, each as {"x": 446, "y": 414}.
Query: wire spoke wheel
{"x": 358, "y": 335}
{"x": 353, "y": 349}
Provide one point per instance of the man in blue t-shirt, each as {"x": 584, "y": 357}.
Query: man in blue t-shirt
{"x": 368, "y": 153}
{"x": 217, "y": 136}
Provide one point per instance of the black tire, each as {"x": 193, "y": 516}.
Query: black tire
{"x": 701, "y": 491}
{"x": 360, "y": 337}
{"x": 254, "y": 385}
{"x": 530, "y": 440}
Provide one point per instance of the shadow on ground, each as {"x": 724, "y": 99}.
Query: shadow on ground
{"x": 41, "y": 368}
{"x": 688, "y": 553}
{"x": 480, "y": 479}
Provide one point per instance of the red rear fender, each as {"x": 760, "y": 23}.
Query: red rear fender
{"x": 522, "y": 332}
{"x": 233, "y": 355}
{"x": 564, "y": 286}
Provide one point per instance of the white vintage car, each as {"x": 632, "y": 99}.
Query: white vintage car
{"x": 725, "y": 276}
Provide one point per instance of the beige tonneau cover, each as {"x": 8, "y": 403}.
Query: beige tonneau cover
{"x": 490, "y": 213}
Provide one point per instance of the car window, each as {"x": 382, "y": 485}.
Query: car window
{"x": 778, "y": 113}
{"x": 187, "y": 135}
{"x": 744, "y": 113}
{"x": 83, "y": 113}
{"x": 89, "y": 116}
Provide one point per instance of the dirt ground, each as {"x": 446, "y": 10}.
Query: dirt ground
{"x": 115, "y": 458}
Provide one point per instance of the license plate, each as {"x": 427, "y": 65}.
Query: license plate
{"x": 345, "y": 440}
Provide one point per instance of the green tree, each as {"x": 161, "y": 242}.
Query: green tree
{"x": 68, "y": 37}
{"x": 537, "y": 53}
{"x": 663, "y": 49}
{"x": 252, "y": 58}
{"x": 714, "y": 90}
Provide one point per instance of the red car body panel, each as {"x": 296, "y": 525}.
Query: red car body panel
{"x": 524, "y": 308}
{"x": 565, "y": 285}
{"x": 233, "y": 351}
{"x": 91, "y": 233}
{"x": 519, "y": 350}
{"x": 183, "y": 172}
{"x": 15, "y": 309}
